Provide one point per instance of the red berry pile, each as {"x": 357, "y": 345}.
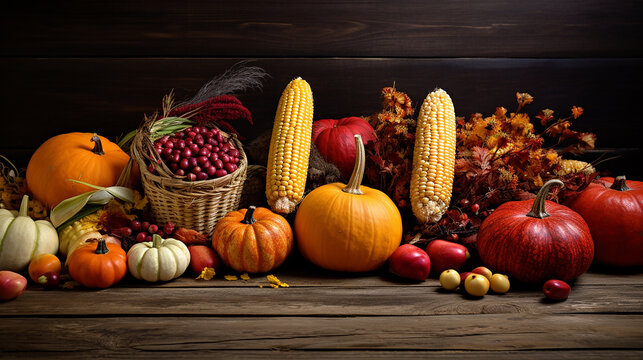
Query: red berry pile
{"x": 139, "y": 231}
{"x": 198, "y": 153}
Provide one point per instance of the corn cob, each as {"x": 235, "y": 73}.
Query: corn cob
{"x": 433, "y": 157}
{"x": 75, "y": 234}
{"x": 569, "y": 166}
{"x": 290, "y": 147}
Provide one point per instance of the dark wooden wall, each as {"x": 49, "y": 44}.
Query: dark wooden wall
{"x": 98, "y": 66}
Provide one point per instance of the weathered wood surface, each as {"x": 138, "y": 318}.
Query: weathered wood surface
{"x": 462, "y": 28}
{"x": 330, "y": 315}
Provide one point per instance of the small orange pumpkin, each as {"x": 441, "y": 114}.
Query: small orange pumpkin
{"x": 255, "y": 240}
{"x": 71, "y": 156}
{"x": 98, "y": 265}
{"x": 347, "y": 227}
{"x": 43, "y": 263}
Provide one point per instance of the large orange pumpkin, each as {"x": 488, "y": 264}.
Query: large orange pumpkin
{"x": 348, "y": 227}
{"x": 79, "y": 156}
{"x": 253, "y": 240}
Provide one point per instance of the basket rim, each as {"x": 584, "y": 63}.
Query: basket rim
{"x": 142, "y": 138}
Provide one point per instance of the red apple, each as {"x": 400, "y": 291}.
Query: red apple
{"x": 556, "y": 289}
{"x": 446, "y": 255}
{"x": 201, "y": 257}
{"x": 483, "y": 271}
{"x": 11, "y": 285}
{"x": 410, "y": 262}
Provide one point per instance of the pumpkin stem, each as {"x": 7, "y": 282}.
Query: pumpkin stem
{"x": 538, "y": 209}
{"x": 101, "y": 247}
{"x": 98, "y": 145}
{"x": 619, "y": 184}
{"x": 156, "y": 241}
{"x": 24, "y": 206}
{"x": 358, "y": 170}
{"x": 248, "y": 219}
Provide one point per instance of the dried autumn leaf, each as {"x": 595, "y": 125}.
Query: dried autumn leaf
{"x": 206, "y": 274}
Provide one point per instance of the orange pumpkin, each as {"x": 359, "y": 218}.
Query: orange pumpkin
{"x": 98, "y": 265}
{"x": 72, "y": 156}
{"x": 255, "y": 240}
{"x": 348, "y": 227}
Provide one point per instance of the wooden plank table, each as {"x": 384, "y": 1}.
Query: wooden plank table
{"x": 325, "y": 315}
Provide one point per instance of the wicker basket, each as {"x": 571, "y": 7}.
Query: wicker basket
{"x": 195, "y": 205}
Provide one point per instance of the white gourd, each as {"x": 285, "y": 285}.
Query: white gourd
{"x": 158, "y": 260}
{"x": 22, "y": 238}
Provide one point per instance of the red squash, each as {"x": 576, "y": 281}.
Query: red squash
{"x": 335, "y": 140}
{"x": 613, "y": 210}
{"x": 535, "y": 246}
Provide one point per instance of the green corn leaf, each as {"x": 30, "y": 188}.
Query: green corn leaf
{"x": 67, "y": 208}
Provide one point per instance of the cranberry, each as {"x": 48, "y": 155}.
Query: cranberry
{"x": 233, "y": 152}
{"x": 220, "y": 173}
{"x": 135, "y": 225}
{"x": 186, "y": 153}
{"x": 153, "y": 229}
{"x": 151, "y": 169}
{"x": 168, "y": 228}
{"x": 194, "y": 148}
{"x": 140, "y": 237}
{"x": 213, "y": 142}
{"x": 210, "y": 170}
{"x": 209, "y": 147}
{"x": 174, "y": 166}
{"x": 196, "y": 129}
{"x": 193, "y": 162}
{"x": 180, "y": 144}
{"x": 218, "y": 164}
{"x": 145, "y": 225}
{"x": 191, "y": 134}
{"x": 225, "y": 158}
{"x": 230, "y": 168}
{"x": 201, "y": 176}
{"x": 219, "y": 137}
{"x": 216, "y": 149}
{"x": 180, "y": 172}
{"x": 196, "y": 170}
{"x": 207, "y": 134}
{"x": 188, "y": 142}
{"x": 214, "y": 156}
{"x": 159, "y": 150}
{"x": 49, "y": 280}
{"x": 148, "y": 238}
{"x": 184, "y": 163}
{"x": 201, "y": 160}
{"x": 191, "y": 177}
{"x": 204, "y": 151}
{"x": 175, "y": 158}
{"x": 169, "y": 145}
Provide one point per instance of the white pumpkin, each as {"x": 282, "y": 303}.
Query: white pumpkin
{"x": 158, "y": 260}
{"x": 21, "y": 238}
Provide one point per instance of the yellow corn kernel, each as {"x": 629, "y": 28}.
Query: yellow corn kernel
{"x": 73, "y": 235}
{"x": 290, "y": 147}
{"x": 433, "y": 157}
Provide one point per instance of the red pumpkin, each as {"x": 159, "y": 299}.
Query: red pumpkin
{"x": 550, "y": 241}
{"x": 613, "y": 210}
{"x": 335, "y": 140}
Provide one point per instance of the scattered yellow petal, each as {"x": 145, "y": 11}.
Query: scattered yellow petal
{"x": 261, "y": 286}
{"x": 274, "y": 281}
{"x": 245, "y": 276}
{"x": 274, "y": 285}
{"x": 206, "y": 274}
{"x": 230, "y": 277}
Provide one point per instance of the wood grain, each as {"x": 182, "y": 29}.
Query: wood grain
{"x": 624, "y": 354}
{"x": 490, "y": 332}
{"x": 317, "y": 301}
{"x": 463, "y": 28}
{"x": 111, "y": 95}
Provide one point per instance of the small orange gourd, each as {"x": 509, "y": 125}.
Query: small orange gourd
{"x": 348, "y": 227}
{"x": 98, "y": 265}
{"x": 253, "y": 240}
{"x": 72, "y": 156}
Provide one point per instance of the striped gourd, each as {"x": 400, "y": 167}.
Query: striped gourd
{"x": 290, "y": 147}
{"x": 433, "y": 157}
